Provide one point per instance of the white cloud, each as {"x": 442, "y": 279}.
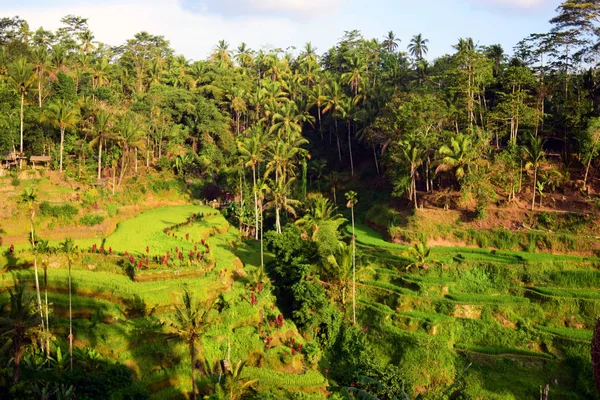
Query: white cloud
{"x": 292, "y": 8}
{"x": 191, "y": 34}
{"x": 512, "y": 3}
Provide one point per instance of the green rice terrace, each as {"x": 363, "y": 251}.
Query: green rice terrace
{"x": 500, "y": 323}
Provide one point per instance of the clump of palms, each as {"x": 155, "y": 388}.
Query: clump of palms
{"x": 235, "y": 385}
{"x": 319, "y": 211}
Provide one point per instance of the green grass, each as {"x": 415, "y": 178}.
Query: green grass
{"x": 472, "y": 298}
{"x": 496, "y": 351}
{"x": 310, "y": 379}
{"x": 146, "y": 229}
{"x": 584, "y": 335}
{"x": 388, "y": 286}
{"x": 589, "y": 294}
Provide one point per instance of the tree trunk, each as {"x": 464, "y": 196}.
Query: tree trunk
{"x": 35, "y": 269}
{"x": 277, "y": 220}
{"x": 193, "y": 357}
{"x": 350, "y": 150}
{"x": 18, "y": 358}
{"x": 262, "y": 260}
{"x": 353, "y": 271}
{"x": 376, "y": 163}
{"x": 100, "y": 159}
{"x": 62, "y": 146}
{"x": 70, "y": 319}
{"x": 47, "y": 318}
{"x": 21, "y": 147}
{"x": 534, "y": 185}
{"x": 320, "y": 127}
{"x": 136, "y": 161}
{"x": 255, "y": 202}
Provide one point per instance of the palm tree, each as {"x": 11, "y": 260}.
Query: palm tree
{"x": 352, "y": 200}
{"x": 190, "y": 324}
{"x": 43, "y": 248}
{"x": 459, "y": 155}
{"x": 262, "y": 189}
{"x": 17, "y": 319}
{"x": 354, "y": 77}
{"x": 495, "y": 53}
{"x": 221, "y": 54}
{"x": 251, "y": 150}
{"x": 244, "y": 56}
{"x": 68, "y": 248}
{"x": 411, "y": 152}
{"x": 63, "y": 115}
{"x": 319, "y": 210}
{"x": 40, "y": 64}
{"x": 131, "y": 136}
{"x": 102, "y": 129}
{"x": 234, "y": 383}
{"x": 333, "y": 99}
{"x": 418, "y": 46}
{"x": 21, "y": 77}
{"x": 347, "y": 110}
{"x": 281, "y": 201}
{"x": 390, "y": 41}
{"x": 317, "y": 98}
{"x": 29, "y": 197}
{"x": 535, "y": 155}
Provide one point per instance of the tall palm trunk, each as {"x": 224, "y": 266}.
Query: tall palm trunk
{"x": 70, "y": 317}
{"x": 193, "y": 357}
{"x": 62, "y": 146}
{"x": 21, "y": 148}
{"x": 350, "y": 149}
{"x": 319, "y": 115}
{"x": 47, "y": 318}
{"x": 100, "y": 159}
{"x": 262, "y": 260}
{"x": 337, "y": 137}
{"x": 376, "y": 163}
{"x": 353, "y": 270}
{"x": 534, "y": 186}
{"x": 255, "y": 201}
{"x": 35, "y": 269}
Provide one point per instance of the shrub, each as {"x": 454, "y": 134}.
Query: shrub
{"x": 64, "y": 212}
{"x": 15, "y": 182}
{"x": 382, "y": 215}
{"x": 91, "y": 220}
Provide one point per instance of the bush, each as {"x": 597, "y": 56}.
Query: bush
{"x": 15, "y": 182}
{"x": 91, "y": 220}
{"x": 382, "y": 215}
{"x": 64, "y": 212}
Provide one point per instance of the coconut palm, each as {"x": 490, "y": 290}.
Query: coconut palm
{"x": 495, "y": 53}
{"x": 68, "y": 249}
{"x": 40, "y": 63}
{"x": 102, "y": 129}
{"x": 352, "y": 199}
{"x": 333, "y": 99}
{"x": 347, "y": 111}
{"x": 319, "y": 210}
{"x": 418, "y": 46}
{"x": 29, "y": 197}
{"x": 190, "y": 323}
{"x": 21, "y": 77}
{"x": 235, "y": 385}
{"x": 535, "y": 155}
{"x": 130, "y": 136}
{"x": 390, "y": 41}
{"x": 412, "y": 153}
{"x": 64, "y": 115}
{"x": 251, "y": 149}
{"x": 280, "y": 200}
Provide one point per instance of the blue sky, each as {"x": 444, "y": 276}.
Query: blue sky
{"x": 195, "y": 26}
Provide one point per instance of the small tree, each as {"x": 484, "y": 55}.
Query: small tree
{"x": 352, "y": 198}
{"x": 190, "y": 324}
{"x": 63, "y": 115}
{"x": 17, "y": 320}
{"x": 535, "y": 155}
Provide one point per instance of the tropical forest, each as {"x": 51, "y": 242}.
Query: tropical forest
{"x": 358, "y": 222}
